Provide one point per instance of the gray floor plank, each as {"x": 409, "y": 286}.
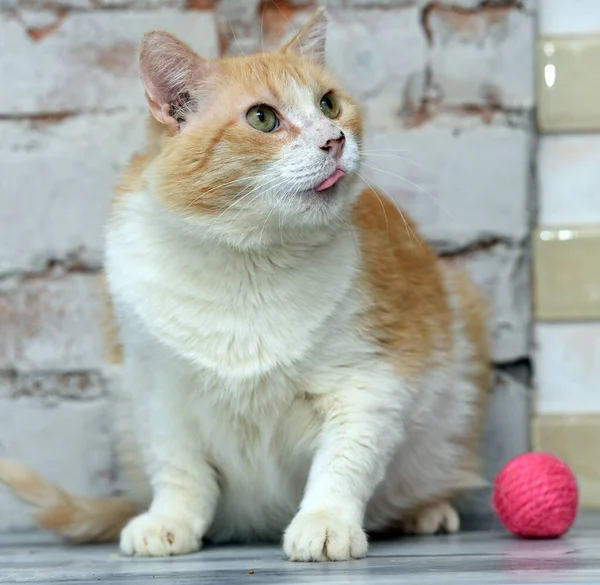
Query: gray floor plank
{"x": 483, "y": 558}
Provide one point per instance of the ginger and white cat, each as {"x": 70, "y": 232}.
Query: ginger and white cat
{"x": 293, "y": 362}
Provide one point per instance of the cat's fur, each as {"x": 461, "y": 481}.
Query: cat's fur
{"x": 294, "y": 361}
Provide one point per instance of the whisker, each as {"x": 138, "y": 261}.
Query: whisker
{"x": 261, "y": 193}
{"x": 294, "y": 29}
{"x": 384, "y": 150}
{"x": 225, "y": 208}
{"x": 423, "y": 190}
{"x": 236, "y": 39}
{"x": 262, "y": 22}
{"x": 352, "y": 231}
{"x": 409, "y": 230}
{"x": 281, "y": 230}
{"x": 265, "y": 223}
{"x": 240, "y": 199}
{"x": 384, "y": 155}
{"x": 220, "y": 186}
{"x": 387, "y": 226}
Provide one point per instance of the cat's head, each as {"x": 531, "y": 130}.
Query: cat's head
{"x": 255, "y": 147}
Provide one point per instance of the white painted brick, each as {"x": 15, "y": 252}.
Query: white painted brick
{"x": 375, "y": 53}
{"x": 69, "y": 443}
{"x": 568, "y": 179}
{"x": 527, "y": 5}
{"x": 507, "y": 430}
{"x": 505, "y": 435}
{"x": 502, "y": 275}
{"x": 57, "y": 179}
{"x": 57, "y": 182}
{"x": 379, "y": 3}
{"x": 52, "y": 324}
{"x": 91, "y": 4}
{"x": 483, "y": 57}
{"x": 52, "y": 387}
{"x": 89, "y": 60}
{"x": 461, "y": 184}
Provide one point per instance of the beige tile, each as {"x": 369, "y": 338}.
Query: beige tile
{"x": 568, "y": 83}
{"x": 567, "y": 367}
{"x": 568, "y": 177}
{"x": 566, "y": 270}
{"x": 576, "y": 440}
{"x": 563, "y": 17}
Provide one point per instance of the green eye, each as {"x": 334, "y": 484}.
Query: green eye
{"x": 262, "y": 118}
{"x": 330, "y": 106}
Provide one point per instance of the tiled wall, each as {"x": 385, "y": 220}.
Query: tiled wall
{"x": 567, "y": 243}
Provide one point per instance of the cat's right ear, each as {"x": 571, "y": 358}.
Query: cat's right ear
{"x": 171, "y": 74}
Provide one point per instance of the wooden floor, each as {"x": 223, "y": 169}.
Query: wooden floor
{"x": 470, "y": 558}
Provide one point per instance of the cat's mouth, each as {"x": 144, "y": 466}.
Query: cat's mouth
{"x": 331, "y": 180}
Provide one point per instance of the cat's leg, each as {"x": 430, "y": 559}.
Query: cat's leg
{"x": 362, "y": 429}
{"x": 184, "y": 485}
{"x": 434, "y": 518}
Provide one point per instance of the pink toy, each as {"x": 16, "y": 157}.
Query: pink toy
{"x": 535, "y": 496}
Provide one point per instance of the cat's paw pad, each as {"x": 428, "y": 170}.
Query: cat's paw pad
{"x": 150, "y": 535}
{"x": 324, "y": 537}
{"x": 438, "y": 517}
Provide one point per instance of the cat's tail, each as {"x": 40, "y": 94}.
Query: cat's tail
{"x": 73, "y": 518}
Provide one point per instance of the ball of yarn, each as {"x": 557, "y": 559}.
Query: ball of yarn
{"x": 535, "y": 496}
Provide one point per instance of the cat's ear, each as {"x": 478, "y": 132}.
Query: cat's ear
{"x": 309, "y": 42}
{"x": 170, "y": 73}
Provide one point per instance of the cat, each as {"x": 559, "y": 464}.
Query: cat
{"x": 296, "y": 365}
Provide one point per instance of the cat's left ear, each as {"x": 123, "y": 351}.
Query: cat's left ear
{"x": 310, "y": 40}
{"x": 172, "y": 75}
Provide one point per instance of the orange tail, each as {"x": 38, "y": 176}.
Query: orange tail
{"x": 73, "y": 518}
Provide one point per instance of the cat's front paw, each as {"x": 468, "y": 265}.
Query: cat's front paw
{"x": 151, "y": 535}
{"x": 324, "y": 537}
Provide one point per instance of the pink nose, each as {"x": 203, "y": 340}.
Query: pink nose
{"x": 335, "y": 146}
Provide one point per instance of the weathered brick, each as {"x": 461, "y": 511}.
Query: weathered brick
{"x": 379, "y": 3}
{"x": 88, "y": 61}
{"x": 375, "y": 52}
{"x": 52, "y": 324}
{"x": 507, "y": 429}
{"x": 68, "y": 443}
{"x": 482, "y": 56}
{"x": 51, "y": 387}
{"x": 468, "y": 191}
{"x": 526, "y": 5}
{"x": 502, "y": 274}
{"x": 462, "y": 180}
{"x": 91, "y": 4}
{"x": 57, "y": 181}
{"x": 506, "y": 435}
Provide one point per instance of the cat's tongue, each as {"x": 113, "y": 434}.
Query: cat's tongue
{"x": 330, "y": 181}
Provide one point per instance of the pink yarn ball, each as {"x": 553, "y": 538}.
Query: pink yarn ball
{"x": 535, "y": 496}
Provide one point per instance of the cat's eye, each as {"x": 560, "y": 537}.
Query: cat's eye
{"x": 330, "y": 105}
{"x": 262, "y": 118}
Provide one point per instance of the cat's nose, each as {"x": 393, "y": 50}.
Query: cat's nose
{"x": 335, "y": 146}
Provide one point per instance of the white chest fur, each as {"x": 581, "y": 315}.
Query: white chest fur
{"x": 241, "y": 337}
{"x": 236, "y": 314}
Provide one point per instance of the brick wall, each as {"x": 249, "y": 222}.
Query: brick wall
{"x": 446, "y": 86}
